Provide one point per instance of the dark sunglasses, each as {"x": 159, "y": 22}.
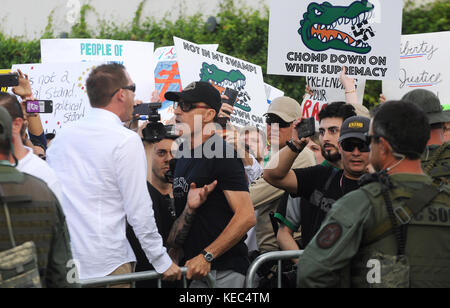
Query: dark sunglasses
{"x": 132, "y": 88}
{"x": 350, "y": 145}
{"x": 188, "y": 106}
{"x": 277, "y": 120}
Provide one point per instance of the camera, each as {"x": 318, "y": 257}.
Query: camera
{"x": 306, "y": 128}
{"x": 155, "y": 131}
{"x": 169, "y": 175}
{"x": 9, "y": 80}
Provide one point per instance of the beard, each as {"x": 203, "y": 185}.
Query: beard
{"x": 328, "y": 155}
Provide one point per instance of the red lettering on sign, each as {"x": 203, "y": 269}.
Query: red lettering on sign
{"x": 169, "y": 80}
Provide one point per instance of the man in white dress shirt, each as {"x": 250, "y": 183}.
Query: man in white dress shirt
{"x": 102, "y": 168}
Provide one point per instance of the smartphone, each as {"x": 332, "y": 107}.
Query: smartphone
{"x": 142, "y": 109}
{"x": 306, "y": 128}
{"x": 39, "y": 106}
{"x": 9, "y": 80}
{"x": 232, "y": 96}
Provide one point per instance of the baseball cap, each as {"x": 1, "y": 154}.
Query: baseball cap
{"x": 429, "y": 103}
{"x": 196, "y": 92}
{"x": 355, "y": 127}
{"x": 5, "y": 125}
{"x": 286, "y": 108}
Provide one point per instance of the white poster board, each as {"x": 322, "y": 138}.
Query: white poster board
{"x": 167, "y": 77}
{"x": 199, "y": 64}
{"x": 65, "y": 85}
{"x": 316, "y": 38}
{"x": 424, "y": 64}
{"x": 137, "y": 57}
{"x": 272, "y": 93}
{"x": 330, "y": 89}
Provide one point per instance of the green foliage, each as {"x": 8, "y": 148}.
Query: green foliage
{"x": 242, "y": 33}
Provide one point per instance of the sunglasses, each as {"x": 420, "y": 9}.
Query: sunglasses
{"x": 277, "y": 120}
{"x": 188, "y": 106}
{"x": 132, "y": 88}
{"x": 350, "y": 145}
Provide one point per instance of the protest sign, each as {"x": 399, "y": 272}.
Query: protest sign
{"x": 330, "y": 89}
{"x": 272, "y": 93}
{"x": 424, "y": 64}
{"x": 311, "y": 108}
{"x": 316, "y": 38}
{"x": 137, "y": 57}
{"x": 4, "y": 89}
{"x": 167, "y": 77}
{"x": 65, "y": 85}
{"x": 200, "y": 64}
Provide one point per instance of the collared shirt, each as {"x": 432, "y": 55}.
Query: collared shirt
{"x": 103, "y": 171}
{"x": 36, "y": 166}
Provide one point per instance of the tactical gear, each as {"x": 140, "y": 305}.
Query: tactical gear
{"x": 35, "y": 216}
{"x": 410, "y": 241}
{"x": 436, "y": 162}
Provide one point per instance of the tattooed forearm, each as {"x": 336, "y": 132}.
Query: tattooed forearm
{"x": 180, "y": 229}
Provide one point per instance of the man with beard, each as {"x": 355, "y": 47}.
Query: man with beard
{"x": 330, "y": 120}
{"x": 320, "y": 186}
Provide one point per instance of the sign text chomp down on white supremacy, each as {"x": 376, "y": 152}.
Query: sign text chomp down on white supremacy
{"x": 357, "y": 65}
{"x": 308, "y": 38}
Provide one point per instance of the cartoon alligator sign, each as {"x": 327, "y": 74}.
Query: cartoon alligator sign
{"x": 325, "y": 26}
{"x": 221, "y": 79}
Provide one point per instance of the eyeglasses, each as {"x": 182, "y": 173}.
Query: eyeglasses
{"x": 188, "y": 106}
{"x": 277, "y": 120}
{"x": 350, "y": 145}
{"x": 132, "y": 88}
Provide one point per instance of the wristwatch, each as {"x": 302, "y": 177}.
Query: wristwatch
{"x": 291, "y": 146}
{"x": 208, "y": 256}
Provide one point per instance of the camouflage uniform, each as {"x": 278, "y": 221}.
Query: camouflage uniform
{"x": 338, "y": 255}
{"x": 37, "y": 216}
{"x": 436, "y": 162}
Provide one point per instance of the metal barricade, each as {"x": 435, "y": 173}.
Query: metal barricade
{"x": 134, "y": 277}
{"x": 270, "y": 256}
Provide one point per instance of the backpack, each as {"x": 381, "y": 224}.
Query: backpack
{"x": 18, "y": 265}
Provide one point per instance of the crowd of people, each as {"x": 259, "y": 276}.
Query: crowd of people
{"x": 105, "y": 199}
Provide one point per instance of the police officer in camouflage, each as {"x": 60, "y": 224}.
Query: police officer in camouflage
{"x": 436, "y": 158}
{"x": 34, "y": 214}
{"x": 393, "y": 231}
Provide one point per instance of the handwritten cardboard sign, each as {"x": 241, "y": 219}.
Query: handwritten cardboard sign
{"x": 65, "y": 85}
{"x": 424, "y": 65}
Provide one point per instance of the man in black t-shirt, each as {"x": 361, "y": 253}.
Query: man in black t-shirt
{"x": 217, "y": 215}
{"x": 320, "y": 186}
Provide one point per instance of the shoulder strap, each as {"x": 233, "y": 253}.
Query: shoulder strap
{"x": 404, "y": 213}
{"x": 435, "y": 157}
{"x": 334, "y": 171}
{"x": 8, "y": 218}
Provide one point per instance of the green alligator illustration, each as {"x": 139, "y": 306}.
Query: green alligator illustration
{"x": 318, "y": 27}
{"x": 233, "y": 79}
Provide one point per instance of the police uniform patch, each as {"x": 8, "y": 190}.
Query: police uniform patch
{"x": 329, "y": 235}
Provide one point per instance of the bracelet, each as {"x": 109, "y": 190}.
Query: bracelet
{"x": 291, "y": 146}
{"x": 353, "y": 91}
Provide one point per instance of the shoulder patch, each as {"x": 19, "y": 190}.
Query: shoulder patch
{"x": 329, "y": 235}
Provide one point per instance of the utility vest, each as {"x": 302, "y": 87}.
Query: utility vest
{"x": 32, "y": 213}
{"x": 427, "y": 254}
{"x": 436, "y": 162}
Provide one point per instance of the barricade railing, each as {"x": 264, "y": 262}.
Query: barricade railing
{"x": 135, "y": 277}
{"x": 266, "y": 257}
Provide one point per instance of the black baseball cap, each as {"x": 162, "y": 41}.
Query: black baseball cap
{"x": 430, "y": 103}
{"x": 196, "y": 92}
{"x": 355, "y": 127}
